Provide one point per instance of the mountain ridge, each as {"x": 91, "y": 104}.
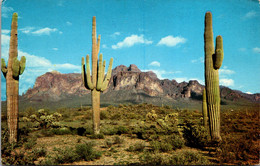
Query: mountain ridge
{"x": 55, "y": 86}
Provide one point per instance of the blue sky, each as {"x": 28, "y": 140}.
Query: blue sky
{"x": 165, "y": 36}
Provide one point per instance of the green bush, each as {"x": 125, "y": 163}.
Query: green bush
{"x": 39, "y": 152}
{"x": 118, "y": 140}
{"x": 185, "y": 157}
{"x": 137, "y": 147}
{"x": 121, "y": 130}
{"x": 97, "y": 136}
{"x": 175, "y": 140}
{"x": 195, "y": 135}
{"x": 86, "y": 152}
{"x": 161, "y": 146}
{"x": 63, "y": 155}
{"x": 30, "y": 143}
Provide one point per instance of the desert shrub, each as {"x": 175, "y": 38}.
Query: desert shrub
{"x": 30, "y": 143}
{"x": 96, "y": 136}
{"x": 63, "y": 155}
{"x": 108, "y": 143}
{"x": 161, "y": 146}
{"x": 153, "y": 159}
{"x": 47, "y": 133}
{"x": 39, "y": 152}
{"x": 121, "y": 130}
{"x": 137, "y": 147}
{"x": 238, "y": 149}
{"x": 185, "y": 157}
{"x": 43, "y": 119}
{"x": 109, "y": 131}
{"x": 104, "y": 114}
{"x": 20, "y": 157}
{"x": 85, "y": 151}
{"x": 188, "y": 157}
{"x": 118, "y": 140}
{"x": 175, "y": 140}
{"x": 195, "y": 135}
{"x": 62, "y": 131}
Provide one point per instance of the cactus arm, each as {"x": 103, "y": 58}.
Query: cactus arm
{"x": 219, "y": 53}
{"x": 16, "y": 67}
{"x": 104, "y": 68}
{"x": 89, "y": 83}
{"x": 22, "y": 64}
{"x": 108, "y": 76}
{"x": 100, "y": 70}
{"x": 83, "y": 72}
{"x": 3, "y": 66}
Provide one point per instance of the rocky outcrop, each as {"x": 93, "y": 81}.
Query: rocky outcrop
{"x": 54, "y": 86}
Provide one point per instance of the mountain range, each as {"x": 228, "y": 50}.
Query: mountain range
{"x": 127, "y": 84}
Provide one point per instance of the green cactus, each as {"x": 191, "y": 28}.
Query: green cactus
{"x": 98, "y": 82}
{"x": 204, "y": 109}
{"x": 213, "y": 61}
{"x": 11, "y": 73}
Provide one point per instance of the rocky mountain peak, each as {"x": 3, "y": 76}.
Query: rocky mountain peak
{"x": 133, "y": 68}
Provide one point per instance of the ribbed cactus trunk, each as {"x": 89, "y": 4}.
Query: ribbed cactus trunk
{"x": 11, "y": 73}
{"x": 98, "y": 82}
{"x": 213, "y": 61}
{"x": 204, "y": 109}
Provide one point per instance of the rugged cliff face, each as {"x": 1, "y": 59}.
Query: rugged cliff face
{"x": 54, "y": 86}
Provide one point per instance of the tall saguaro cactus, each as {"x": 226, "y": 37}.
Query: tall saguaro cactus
{"x": 213, "y": 61}
{"x": 11, "y": 73}
{"x": 98, "y": 82}
{"x": 204, "y": 109}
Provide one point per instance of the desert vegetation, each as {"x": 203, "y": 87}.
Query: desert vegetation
{"x": 131, "y": 134}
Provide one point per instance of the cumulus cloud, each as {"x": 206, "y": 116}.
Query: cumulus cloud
{"x": 115, "y": 34}
{"x": 41, "y": 31}
{"x": 55, "y": 49}
{"x": 256, "y": 50}
{"x": 226, "y": 82}
{"x": 249, "y": 14}
{"x": 131, "y": 41}
{"x": 163, "y": 74}
{"x": 171, "y": 41}
{"x": 68, "y": 23}
{"x": 155, "y": 63}
{"x": 226, "y": 71}
{"x": 200, "y": 60}
{"x": 249, "y": 93}
{"x": 7, "y": 11}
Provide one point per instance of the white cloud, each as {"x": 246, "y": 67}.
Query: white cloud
{"x": 256, "y": 50}
{"x": 163, "y": 74}
{"x": 249, "y": 93}
{"x": 27, "y": 30}
{"x": 226, "y": 71}
{"x": 55, "y": 49}
{"x": 5, "y": 39}
{"x": 115, "y": 34}
{"x": 6, "y": 11}
{"x": 250, "y": 14}
{"x": 132, "y": 40}
{"x": 226, "y": 82}
{"x": 155, "y": 63}
{"x": 44, "y": 31}
{"x": 68, "y": 23}
{"x": 171, "y": 41}
{"x": 181, "y": 79}
{"x": 5, "y": 31}
{"x": 104, "y": 46}
{"x": 200, "y": 60}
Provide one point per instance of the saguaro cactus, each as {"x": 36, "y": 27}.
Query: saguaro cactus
{"x": 213, "y": 61}
{"x": 98, "y": 82}
{"x": 204, "y": 109}
{"x": 11, "y": 73}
